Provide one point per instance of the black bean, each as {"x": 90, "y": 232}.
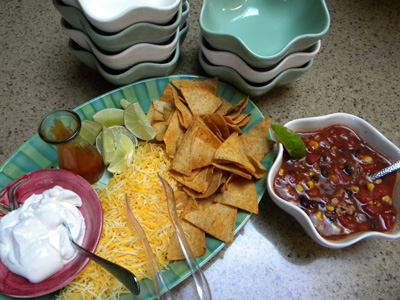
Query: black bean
{"x": 324, "y": 172}
{"x": 347, "y": 170}
{"x": 342, "y": 150}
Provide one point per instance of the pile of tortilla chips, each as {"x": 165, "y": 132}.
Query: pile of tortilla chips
{"x": 214, "y": 162}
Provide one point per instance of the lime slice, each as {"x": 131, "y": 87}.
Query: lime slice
{"x": 137, "y": 123}
{"x": 110, "y": 117}
{"x": 116, "y": 131}
{"x": 124, "y": 103}
{"x": 290, "y": 140}
{"x": 108, "y": 146}
{"x": 122, "y": 155}
{"x": 90, "y": 130}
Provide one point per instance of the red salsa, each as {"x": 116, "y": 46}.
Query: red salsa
{"x": 331, "y": 183}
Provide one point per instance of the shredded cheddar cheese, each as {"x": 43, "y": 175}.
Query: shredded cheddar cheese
{"x": 118, "y": 241}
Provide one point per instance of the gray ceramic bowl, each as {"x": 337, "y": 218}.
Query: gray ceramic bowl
{"x": 229, "y": 75}
{"x": 138, "y": 53}
{"x": 368, "y": 133}
{"x": 263, "y": 31}
{"x": 135, "y": 73}
{"x": 137, "y": 33}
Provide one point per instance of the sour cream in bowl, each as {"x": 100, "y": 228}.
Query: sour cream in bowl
{"x": 337, "y": 206}
{"x": 36, "y": 255}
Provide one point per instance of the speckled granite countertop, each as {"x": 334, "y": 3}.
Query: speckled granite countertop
{"x": 357, "y": 71}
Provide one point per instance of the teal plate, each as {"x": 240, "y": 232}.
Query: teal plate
{"x": 36, "y": 154}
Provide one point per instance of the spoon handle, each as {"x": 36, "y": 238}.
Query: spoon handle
{"x": 125, "y": 276}
{"x": 385, "y": 171}
{"x": 200, "y": 280}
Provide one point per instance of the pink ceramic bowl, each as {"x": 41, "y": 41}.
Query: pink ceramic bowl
{"x": 37, "y": 182}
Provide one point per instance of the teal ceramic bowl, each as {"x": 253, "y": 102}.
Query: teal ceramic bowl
{"x": 136, "y": 72}
{"x": 142, "y": 32}
{"x": 262, "y": 32}
{"x": 252, "y": 89}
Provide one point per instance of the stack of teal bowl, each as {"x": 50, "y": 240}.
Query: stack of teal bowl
{"x": 125, "y": 41}
{"x": 257, "y": 45}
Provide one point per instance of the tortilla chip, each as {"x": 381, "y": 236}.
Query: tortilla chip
{"x": 173, "y": 135}
{"x": 217, "y": 177}
{"x": 259, "y": 169}
{"x": 204, "y": 146}
{"x": 184, "y": 114}
{"x": 160, "y": 129}
{"x": 168, "y": 94}
{"x": 225, "y": 107}
{"x": 217, "y": 220}
{"x": 200, "y": 101}
{"x": 182, "y": 159}
{"x": 240, "y": 107}
{"x": 195, "y": 237}
{"x": 208, "y": 84}
{"x": 233, "y": 169}
{"x": 205, "y": 202}
{"x": 257, "y": 147}
{"x": 199, "y": 180}
{"x": 242, "y": 194}
{"x": 222, "y": 125}
{"x": 260, "y": 129}
{"x": 231, "y": 152}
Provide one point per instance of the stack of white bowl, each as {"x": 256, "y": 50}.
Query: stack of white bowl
{"x": 259, "y": 45}
{"x": 126, "y": 41}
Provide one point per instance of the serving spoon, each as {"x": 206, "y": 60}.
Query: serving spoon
{"x": 125, "y": 276}
{"x": 385, "y": 171}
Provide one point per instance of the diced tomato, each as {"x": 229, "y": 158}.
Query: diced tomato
{"x": 348, "y": 222}
{"x": 389, "y": 219}
{"x": 312, "y": 158}
{"x": 363, "y": 195}
{"x": 372, "y": 210}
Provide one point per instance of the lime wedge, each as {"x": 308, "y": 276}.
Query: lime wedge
{"x": 122, "y": 155}
{"x": 292, "y": 142}
{"x": 110, "y": 117}
{"x": 124, "y": 103}
{"x": 108, "y": 146}
{"x": 116, "y": 131}
{"x": 90, "y": 130}
{"x": 137, "y": 123}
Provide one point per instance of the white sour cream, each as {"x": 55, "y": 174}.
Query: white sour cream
{"x": 33, "y": 241}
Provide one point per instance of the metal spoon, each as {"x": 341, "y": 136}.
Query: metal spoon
{"x": 385, "y": 171}
{"x": 125, "y": 276}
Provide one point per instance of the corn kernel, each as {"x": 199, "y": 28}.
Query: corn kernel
{"x": 281, "y": 171}
{"x": 386, "y": 198}
{"x": 367, "y": 159}
{"x": 371, "y": 202}
{"x": 311, "y": 173}
{"x": 299, "y": 188}
{"x": 330, "y": 208}
{"x": 370, "y": 186}
{"x": 355, "y": 189}
{"x": 334, "y": 178}
{"x": 319, "y": 215}
{"x": 314, "y": 145}
{"x": 378, "y": 181}
{"x": 310, "y": 184}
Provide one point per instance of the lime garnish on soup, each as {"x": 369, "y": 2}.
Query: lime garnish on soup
{"x": 292, "y": 142}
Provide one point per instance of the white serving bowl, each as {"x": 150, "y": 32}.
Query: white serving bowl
{"x": 114, "y": 16}
{"x": 138, "y": 53}
{"x": 142, "y": 32}
{"x": 231, "y": 60}
{"x": 369, "y": 134}
{"x": 253, "y": 89}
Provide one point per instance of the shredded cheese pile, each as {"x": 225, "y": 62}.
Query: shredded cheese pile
{"x": 118, "y": 241}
